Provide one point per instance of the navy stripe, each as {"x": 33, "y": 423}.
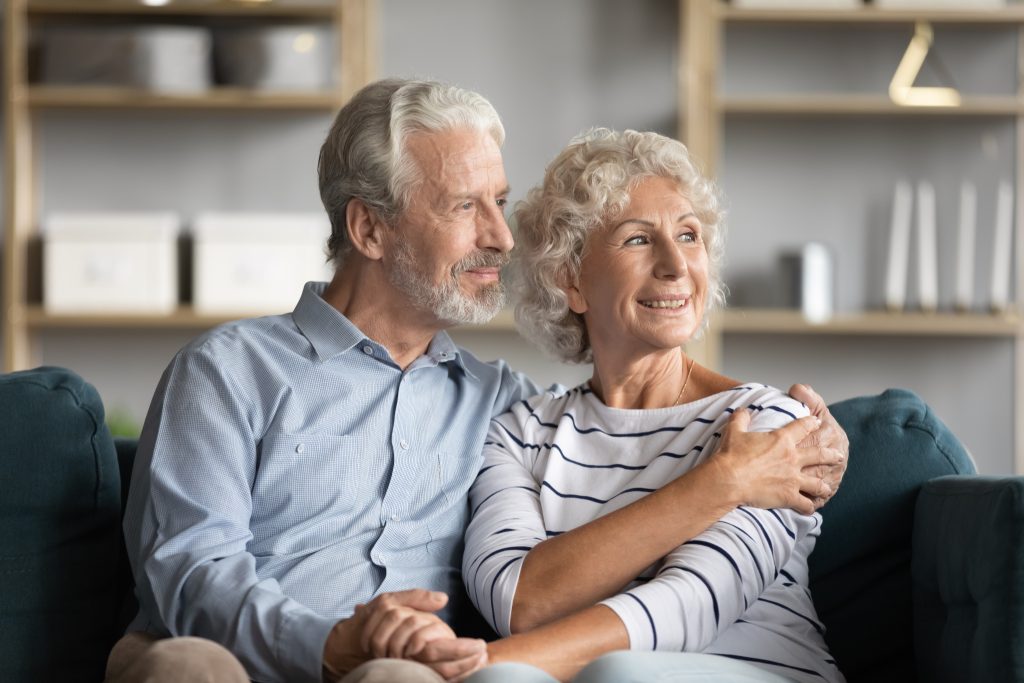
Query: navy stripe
{"x": 750, "y": 551}
{"x": 721, "y": 551}
{"x": 707, "y": 584}
{"x": 484, "y": 559}
{"x": 484, "y": 469}
{"x": 555, "y": 447}
{"x": 654, "y": 631}
{"x": 787, "y": 575}
{"x": 494, "y": 584}
{"x": 764, "y": 531}
{"x": 494, "y": 493}
{"x": 591, "y": 498}
{"x": 768, "y": 661}
{"x": 775, "y": 408}
{"x": 591, "y": 430}
{"x": 789, "y": 532}
{"x": 817, "y": 627}
{"x": 550, "y": 533}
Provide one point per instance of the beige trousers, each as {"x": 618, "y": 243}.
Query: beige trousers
{"x": 144, "y": 658}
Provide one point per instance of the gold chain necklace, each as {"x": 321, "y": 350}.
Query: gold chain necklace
{"x": 689, "y": 371}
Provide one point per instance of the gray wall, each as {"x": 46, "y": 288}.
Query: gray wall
{"x": 553, "y": 69}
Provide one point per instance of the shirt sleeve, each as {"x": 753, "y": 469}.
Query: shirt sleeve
{"x": 706, "y": 584}
{"x": 506, "y": 522}
{"x": 187, "y": 528}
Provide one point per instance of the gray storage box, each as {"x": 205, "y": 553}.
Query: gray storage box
{"x": 168, "y": 59}
{"x": 291, "y": 57}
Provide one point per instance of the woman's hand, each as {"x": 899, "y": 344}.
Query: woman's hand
{"x": 829, "y": 435}
{"x": 773, "y": 469}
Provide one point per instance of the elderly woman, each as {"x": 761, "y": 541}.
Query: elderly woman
{"x": 618, "y": 260}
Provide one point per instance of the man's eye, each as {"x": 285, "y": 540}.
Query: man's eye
{"x": 466, "y": 206}
{"x": 503, "y": 202}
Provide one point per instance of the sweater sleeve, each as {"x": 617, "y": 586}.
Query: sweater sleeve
{"x": 506, "y": 520}
{"x": 707, "y": 583}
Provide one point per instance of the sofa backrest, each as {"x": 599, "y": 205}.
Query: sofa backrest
{"x": 60, "y": 533}
{"x": 860, "y": 568}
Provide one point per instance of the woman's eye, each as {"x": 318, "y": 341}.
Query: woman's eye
{"x": 688, "y": 237}
{"x": 637, "y": 239}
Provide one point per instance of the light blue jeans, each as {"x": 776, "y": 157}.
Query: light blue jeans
{"x": 639, "y": 667}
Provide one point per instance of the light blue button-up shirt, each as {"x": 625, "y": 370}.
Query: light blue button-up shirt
{"x": 288, "y": 470}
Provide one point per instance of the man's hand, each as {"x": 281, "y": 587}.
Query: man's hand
{"x": 829, "y": 437}
{"x": 401, "y": 625}
{"x": 768, "y": 469}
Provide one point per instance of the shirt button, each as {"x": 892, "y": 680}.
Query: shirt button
{"x": 444, "y": 354}
{"x": 395, "y": 518}
{"x": 301, "y": 448}
{"x": 404, "y": 444}
{"x": 379, "y": 559}
{"x": 368, "y": 350}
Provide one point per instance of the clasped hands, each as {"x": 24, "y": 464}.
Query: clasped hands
{"x": 402, "y": 625}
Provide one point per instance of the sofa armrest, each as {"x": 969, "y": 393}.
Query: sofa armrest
{"x": 968, "y": 579}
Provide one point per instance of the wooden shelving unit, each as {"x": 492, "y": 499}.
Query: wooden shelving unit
{"x": 703, "y": 112}
{"x": 353, "y": 25}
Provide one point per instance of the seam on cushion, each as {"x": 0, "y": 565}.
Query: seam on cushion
{"x": 95, "y": 427}
{"x": 920, "y": 426}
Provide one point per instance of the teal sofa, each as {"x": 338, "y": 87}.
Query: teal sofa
{"x": 918, "y": 574}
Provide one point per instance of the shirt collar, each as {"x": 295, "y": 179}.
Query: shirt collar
{"x": 331, "y": 333}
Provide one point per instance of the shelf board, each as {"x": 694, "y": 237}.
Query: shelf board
{"x": 52, "y": 96}
{"x": 879, "y": 105}
{"x": 184, "y": 318}
{"x": 877, "y": 323}
{"x": 242, "y": 8}
{"x": 1009, "y": 14}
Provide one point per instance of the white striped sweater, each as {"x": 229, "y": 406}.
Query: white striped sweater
{"x": 557, "y": 461}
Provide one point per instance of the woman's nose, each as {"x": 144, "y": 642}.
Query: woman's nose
{"x": 671, "y": 262}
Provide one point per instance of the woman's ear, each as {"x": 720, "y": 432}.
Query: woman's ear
{"x": 577, "y": 302}
{"x": 365, "y": 229}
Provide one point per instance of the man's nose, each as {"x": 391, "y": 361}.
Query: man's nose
{"x": 494, "y": 231}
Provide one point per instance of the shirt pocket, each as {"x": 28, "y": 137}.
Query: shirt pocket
{"x": 309, "y": 485}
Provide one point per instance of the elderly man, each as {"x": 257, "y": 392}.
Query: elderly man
{"x": 299, "y": 495}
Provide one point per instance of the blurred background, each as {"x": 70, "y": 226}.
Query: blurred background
{"x": 160, "y": 173}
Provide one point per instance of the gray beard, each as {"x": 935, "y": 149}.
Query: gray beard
{"x": 446, "y": 301}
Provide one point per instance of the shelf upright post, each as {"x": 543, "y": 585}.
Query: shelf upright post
{"x": 699, "y": 120}
{"x": 1018, "y": 341}
{"x": 356, "y": 40}
{"x": 19, "y": 176}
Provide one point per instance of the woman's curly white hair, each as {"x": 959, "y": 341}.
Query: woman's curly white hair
{"x": 587, "y": 185}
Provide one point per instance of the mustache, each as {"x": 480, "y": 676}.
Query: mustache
{"x": 481, "y": 259}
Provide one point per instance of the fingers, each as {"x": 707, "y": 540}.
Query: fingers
{"x": 454, "y": 658}
{"x": 739, "y": 421}
{"x": 480, "y": 663}
{"x": 813, "y": 486}
{"x": 797, "y": 430}
{"x": 421, "y": 637}
{"x": 392, "y": 618}
{"x": 810, "y": 398}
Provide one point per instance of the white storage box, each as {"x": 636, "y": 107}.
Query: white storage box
{"x": 110, "y": 263}
{"x": 293, "y": 57}
{"x": 166, "y": 59}
{"x": 258, "y": 262}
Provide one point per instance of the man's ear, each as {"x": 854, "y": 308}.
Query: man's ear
{"x": 365, "y": 229}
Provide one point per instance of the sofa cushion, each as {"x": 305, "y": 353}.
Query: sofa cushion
{"x": 59, "y": 528}
{"x": 860, "y": 568}
{"x": 969, "y": 579}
